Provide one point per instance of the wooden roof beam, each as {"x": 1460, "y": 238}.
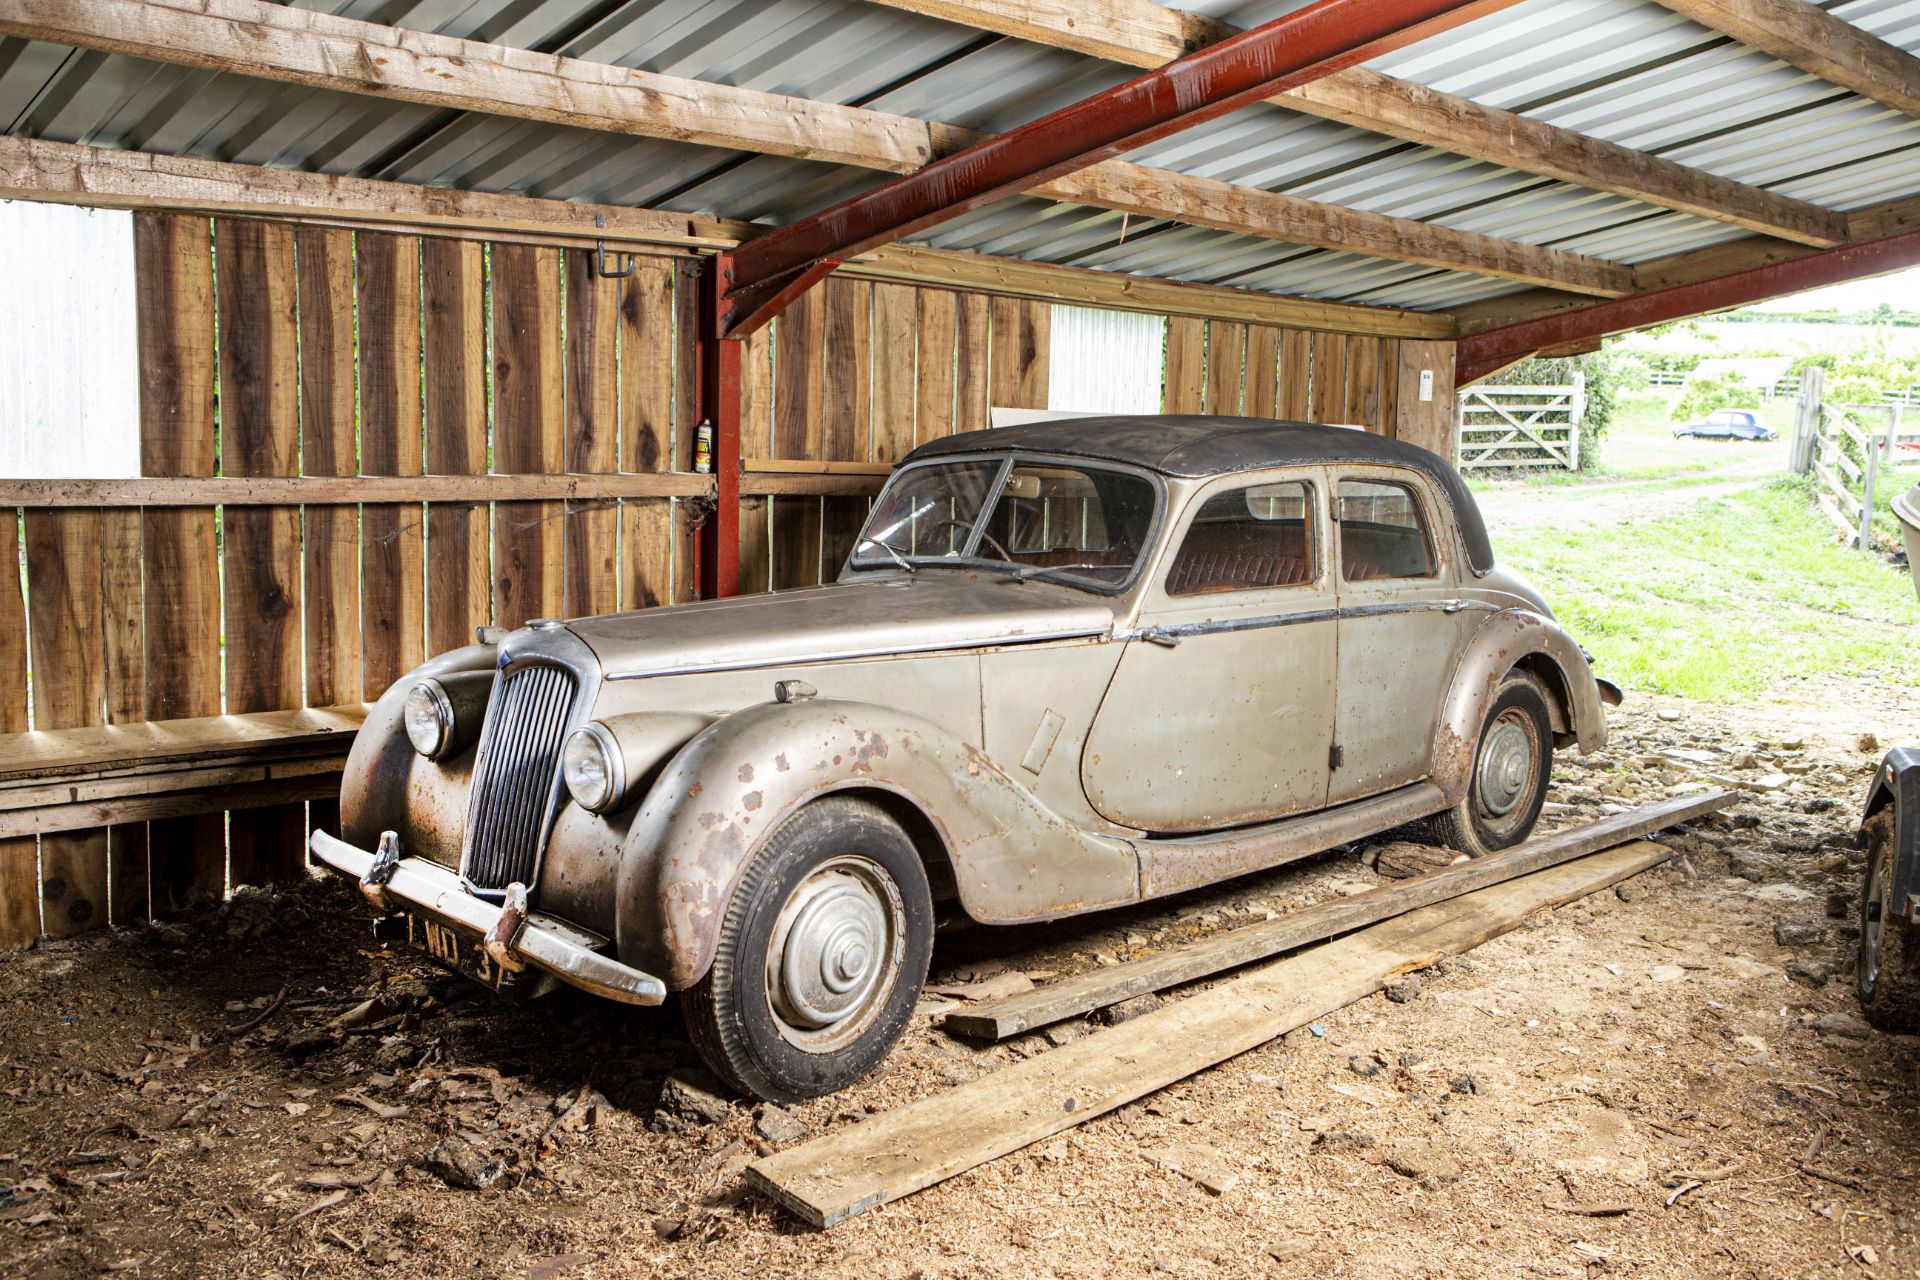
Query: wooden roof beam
{"x": 288, "y": 44}
{"x": 97, "y": 177}
{"x": 1808, "y": 37}
{"x": 1142, "y": 33}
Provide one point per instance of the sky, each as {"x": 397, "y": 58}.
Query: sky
{"x": 1902, "y": 289}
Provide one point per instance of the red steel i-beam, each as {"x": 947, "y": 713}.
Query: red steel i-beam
{"x": 758, "y": 277}
{"x": 1480, "y": 354}
{"x": 717, "y": 546}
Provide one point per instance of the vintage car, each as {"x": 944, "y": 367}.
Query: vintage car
{"x": 1888, "y": 977}
{"x": 1068, "y": 665}
{"x": 1727, "y": 424}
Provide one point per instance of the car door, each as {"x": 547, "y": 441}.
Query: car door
{"x": 1221, "y": 708}
{"x": 1402, "y": 627}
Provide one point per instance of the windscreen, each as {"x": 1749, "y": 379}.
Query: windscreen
{"x": 1063, "y": 521}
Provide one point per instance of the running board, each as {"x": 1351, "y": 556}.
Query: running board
{"x": 1176, "y": 864}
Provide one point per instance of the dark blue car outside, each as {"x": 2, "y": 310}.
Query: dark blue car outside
{"x": 1727, "y": 424}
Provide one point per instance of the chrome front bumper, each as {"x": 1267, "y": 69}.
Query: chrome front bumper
{"x": 512, "y": 936}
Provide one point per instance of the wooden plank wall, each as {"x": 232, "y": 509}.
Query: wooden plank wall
{"x": 862, "y": 372}
{"x": 1220, "y": 366}
{"x": 330, "y": 352}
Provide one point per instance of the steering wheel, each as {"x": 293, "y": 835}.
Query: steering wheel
{"x": 989, "y": 539}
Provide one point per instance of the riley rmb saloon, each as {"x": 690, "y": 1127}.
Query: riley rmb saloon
{"x": 1067, "y": 666}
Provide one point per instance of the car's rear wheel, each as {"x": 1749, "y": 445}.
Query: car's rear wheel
{"x": 822, "y": 954}
{"x": 1889, "y": 979}
{"x": 1511, "y": 764}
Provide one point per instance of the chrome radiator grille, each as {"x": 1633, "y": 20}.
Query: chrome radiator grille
{"x": 514, "y": 774}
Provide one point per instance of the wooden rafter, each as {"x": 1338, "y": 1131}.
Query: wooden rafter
{"x": 284, "y": 43}
{"x": 104, "y": 178}
{"x": 1806, "y": 36}
{"x": 1142, "y": 33}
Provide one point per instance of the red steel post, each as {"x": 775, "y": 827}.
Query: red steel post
{"x": 718, "y": 546}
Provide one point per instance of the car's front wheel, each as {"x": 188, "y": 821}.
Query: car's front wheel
{"x": 822, "y": 954}
{"x": 1889, "y": 977}
{"x": 1511, "y": 765}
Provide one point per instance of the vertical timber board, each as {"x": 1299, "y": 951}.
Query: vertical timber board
{"x": 795, "y": 526}
{"x": 1296, "y": 374}
{"x": 1389, "y": 387}
{"x": 1363, "y": 383}
{"x": 260, "y": 436}
{"x": 69, "y": 692}
{"x": 1428, "y": 423}
{"x": 180, "y": 616}
{"x": 592, "y": 432}
{"x": 528, "y": 434}
{"x": 841, "y": 519}
{"x": 970, "y": 364}
{"x": 846, "y": 371}
{"x": 1226, "y": 366}
{"x": 1327, "y": 401}
{"x": 459, "y": 574}
{"x": 328, "y": 443}
{"x": 756, "y": 441}
{"x": 895, "y": 346}
{"x": 1184, "y": 389}
{"x": 392, "y": 546}
{"x": 788, "y": 529}
{"x": 1019, "y": 368}
{"x": 646, "y": 431}
{"x": 1262, "y": 398}
{"x": 686, "y": 419}
{"x": 125, "y": 654}
{"x": 756, "y": 546}
{"x": 937, "y": 323}
{"x": 19, "y": 860}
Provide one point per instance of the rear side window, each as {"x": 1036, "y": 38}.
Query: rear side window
{"x": 1246, "y": 539}
{"x": 1383, "y": 533}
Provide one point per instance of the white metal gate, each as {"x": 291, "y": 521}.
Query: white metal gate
{"x": 1522, "y": 426}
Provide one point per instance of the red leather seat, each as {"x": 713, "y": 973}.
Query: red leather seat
{"x": 1240, "y": 554}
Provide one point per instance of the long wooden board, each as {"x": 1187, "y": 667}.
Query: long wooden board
{"x": 998, "y": 1019}
{"x": 846, "y": 1172}
{"x": 75, "y": 753}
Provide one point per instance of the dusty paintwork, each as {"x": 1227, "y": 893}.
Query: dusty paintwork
{"x": 1053, "y": 746}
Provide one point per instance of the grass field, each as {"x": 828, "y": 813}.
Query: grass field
{"x": 1725, "y": 599}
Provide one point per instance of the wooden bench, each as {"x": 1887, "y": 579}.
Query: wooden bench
{"x": 75, "y": 779}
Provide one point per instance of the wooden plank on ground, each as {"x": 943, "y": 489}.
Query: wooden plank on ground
{"x": 19, "y": 859}
{"x": 591, "y": 435}
{"x": 1184, "y": 389}
{"x": 392, "y": 545}
{"x": 459, "y": 568}
{"x": 173, "y": 271}
{"x": 69, "y": 691}
{"x": 859, "y": 1167}
{"x": 998, "y": 1019}
{"x": 260, "y": 436}
{"x": 528, "y": 431}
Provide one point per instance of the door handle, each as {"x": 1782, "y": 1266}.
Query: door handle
{"x": 1165, "y": 639}
{"x": 1454, "y": 606}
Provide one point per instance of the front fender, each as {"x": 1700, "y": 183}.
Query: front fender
{"x": 727, "y": 790}
{"x": 1511, "y": 638}
{"x": 388, "y": 786}
{"x": 1897, "y": 783}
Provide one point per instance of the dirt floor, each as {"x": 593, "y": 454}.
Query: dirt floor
{"x": 1665, "y": 1081}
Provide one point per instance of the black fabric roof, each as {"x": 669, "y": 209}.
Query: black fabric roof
{"x": 1195, "y": 446}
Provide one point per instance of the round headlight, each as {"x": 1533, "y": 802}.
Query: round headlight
{"x": 428, "y": 712}
{"x": 593, "y": 768}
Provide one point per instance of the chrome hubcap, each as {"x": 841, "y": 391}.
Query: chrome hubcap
{"x": 836, "y": 946}
{"x": 1506, "y": 766}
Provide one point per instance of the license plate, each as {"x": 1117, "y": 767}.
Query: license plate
{"x": 461, "y": 950}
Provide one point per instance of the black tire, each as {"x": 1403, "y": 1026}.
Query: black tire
{"x": 843, "y": 884}
{"x": 1889, "y": 979}
{"x": 1506, "y": 788}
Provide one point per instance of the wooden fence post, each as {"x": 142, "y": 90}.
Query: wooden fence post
{"x": 1806, "y": 419}
{"x": 1863, "y": 539}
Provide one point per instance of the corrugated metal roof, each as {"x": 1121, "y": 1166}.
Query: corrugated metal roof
{"x": 1630, "y": 71}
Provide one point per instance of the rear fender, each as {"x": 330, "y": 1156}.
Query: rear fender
{"x": 1509, "y": 639}
{"x": 720, "y": 798}
{"x": 1897, "y": 783}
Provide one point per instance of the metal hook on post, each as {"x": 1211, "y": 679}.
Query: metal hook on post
{"x": 631, "y": 260}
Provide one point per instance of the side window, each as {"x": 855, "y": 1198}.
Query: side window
{"x": 1247, "y": 538}
{"x": 1382, "y": 532}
